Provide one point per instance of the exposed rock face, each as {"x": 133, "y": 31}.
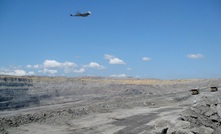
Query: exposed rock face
{"x": 13, "y": 92}
{"x": 18, "y": 92}
{"x": 201, "y": 118}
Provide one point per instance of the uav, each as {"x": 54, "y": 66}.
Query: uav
{"x": 81, "y": 14}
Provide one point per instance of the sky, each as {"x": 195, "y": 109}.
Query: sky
{"x": 162, "y": 39}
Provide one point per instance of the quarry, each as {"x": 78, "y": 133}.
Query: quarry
{"x": 104, "y": 105}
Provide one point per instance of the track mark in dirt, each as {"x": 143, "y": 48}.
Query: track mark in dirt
{"x": 137, "y": 124}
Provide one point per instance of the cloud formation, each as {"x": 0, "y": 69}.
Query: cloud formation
{"x": 20, "y": 72}
{"x": 194, "y": 56}
{"x": 34, "y": 66}
{"x": 52, "y": 66}
{"x": 114, "y": 60}
{"x": 50, "y": 71}
{"x": 56, "y": 64}
{"x": 17, "y": 72}
{"x": 146, "y": 59}
{"x": 94, "y": 65}
{"x": 29, "y": 66}
{"x": 81, "y": 70}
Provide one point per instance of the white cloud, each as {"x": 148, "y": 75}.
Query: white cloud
{"x": 146, "y": 59}
{"x": 7, "y": 73}
{"x": 119, "y": 75}
{"x": 20, "y": 72}
{"x": 81, "y": 70}
{"x": 108, "y": 57}
{"x": 29, "y": 66}
{"x": 51, "y": 64}
{"x": 69, "y": 64}
{"x": 194, "y": 56}
{"x": 31, "y": 73}
{"x": 68, "y": 70}
{"x": 114, "y": 60}
{"x": 50, "y": 71}
{"x": 56, "y": 64}
{"x": 33, "y": 66}
{"x": 17, "y": 72}
{"x": 94, "y": 65}
{"x": 36, "y": 66}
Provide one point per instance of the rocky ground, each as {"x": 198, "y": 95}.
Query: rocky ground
{"x": 93, "y": 105}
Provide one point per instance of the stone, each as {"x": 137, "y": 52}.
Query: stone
{"x": 162, "y": 124}
{"x": 206, "y": 130}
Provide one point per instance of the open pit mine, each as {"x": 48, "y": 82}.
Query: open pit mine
{"x": 99, "y": 105}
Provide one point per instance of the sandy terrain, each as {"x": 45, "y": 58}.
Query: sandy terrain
{"x": 94, "y": 105}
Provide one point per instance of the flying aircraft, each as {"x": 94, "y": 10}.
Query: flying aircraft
{"x": 81, "y": 14}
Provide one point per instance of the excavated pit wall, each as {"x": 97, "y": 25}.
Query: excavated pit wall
{"x": 13, "y": 92}
{"x": 30, "y": 91}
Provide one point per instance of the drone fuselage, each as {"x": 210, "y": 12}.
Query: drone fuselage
{"x": 81, "y": 14}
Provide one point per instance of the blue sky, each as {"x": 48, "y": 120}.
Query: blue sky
{"x": 164, "y": 39}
